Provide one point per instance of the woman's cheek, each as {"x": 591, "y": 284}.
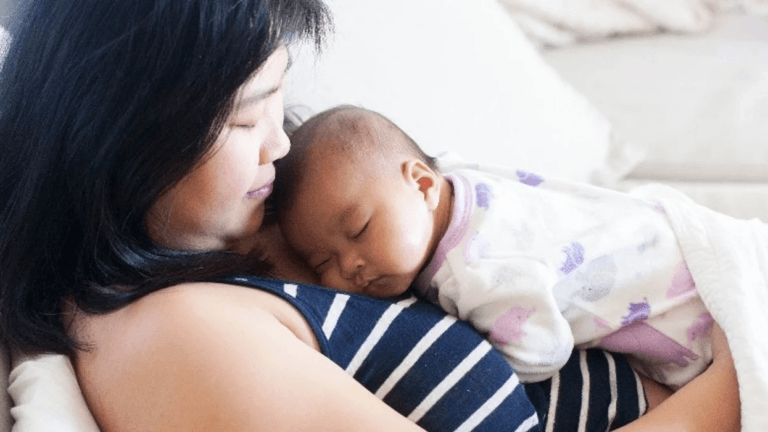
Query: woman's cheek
{"x": 241, "y": 167}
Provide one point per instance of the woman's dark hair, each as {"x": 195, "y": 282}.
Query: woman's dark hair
{"x": 105, "y": 105}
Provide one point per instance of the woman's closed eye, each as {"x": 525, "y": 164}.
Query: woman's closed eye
{"x": 245, "y": 123}
{"x": 248, "y": 117}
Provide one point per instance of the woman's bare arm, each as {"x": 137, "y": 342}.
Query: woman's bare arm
{"x": 709, "y": 403}
{"x": 215, "y": 357}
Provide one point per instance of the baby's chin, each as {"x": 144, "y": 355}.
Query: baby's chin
{"x": 388, "y": 287}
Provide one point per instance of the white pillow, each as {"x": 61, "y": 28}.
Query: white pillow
{"x": 5, "y": 399}
{"x": 47, "y": 398}
{"x": 459, "y": 75}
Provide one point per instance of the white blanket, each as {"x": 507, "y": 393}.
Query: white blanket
{"x": 728, "y": 259}
{"x": 564, "y": 22}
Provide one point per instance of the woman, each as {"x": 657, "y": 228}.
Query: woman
{"x": 138, "y": 145}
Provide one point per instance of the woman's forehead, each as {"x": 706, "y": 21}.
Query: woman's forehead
{"x": 266, "y": 80}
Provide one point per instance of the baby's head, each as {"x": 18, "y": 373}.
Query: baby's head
{"x": 360, "y": 202}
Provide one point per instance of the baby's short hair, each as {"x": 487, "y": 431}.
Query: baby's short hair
{"x": 346, "y": 131}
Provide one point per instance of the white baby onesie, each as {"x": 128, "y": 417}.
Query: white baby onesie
{"x": 542, "y": 265}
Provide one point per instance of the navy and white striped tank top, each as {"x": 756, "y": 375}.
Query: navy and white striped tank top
{"x": 439, "y": 372}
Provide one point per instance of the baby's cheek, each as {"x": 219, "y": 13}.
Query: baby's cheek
{"x": 333, "y": 279}
{"x": 411, "y": 250}
{"x": 327, "y": 279}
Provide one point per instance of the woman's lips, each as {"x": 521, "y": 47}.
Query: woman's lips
{"x": 261, "y": 192}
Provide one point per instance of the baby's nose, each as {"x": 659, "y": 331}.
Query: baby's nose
{"x": 351, "y": 266}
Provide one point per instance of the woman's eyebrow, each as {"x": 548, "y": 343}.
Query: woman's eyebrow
{"x": 258, "y": 97}
{"x": 255, "y": 98}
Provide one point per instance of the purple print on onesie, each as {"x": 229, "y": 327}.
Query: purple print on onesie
{"x": 574, "y": 257}
{"x": 641, "y": 338}
{"x": 530, "y": 179}
{"x": 476, "y": 248}
{"x": 700, "y": 328}
{"x": 637, "y": 311}
{"x": 682, "y": 282}
{"x": 483, "y": 192}
{"x": 509, "y": 327}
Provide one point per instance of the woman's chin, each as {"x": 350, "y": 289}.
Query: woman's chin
{"x": 247, "y": 238}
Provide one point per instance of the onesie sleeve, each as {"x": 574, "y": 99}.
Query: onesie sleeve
{"x": 510, "y": 301}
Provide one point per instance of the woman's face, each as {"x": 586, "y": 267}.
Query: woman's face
{"x": 220, "y": 204}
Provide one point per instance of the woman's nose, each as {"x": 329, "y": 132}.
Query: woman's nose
{"x": 275, "y": 147}
{"x": 276, "y": 144}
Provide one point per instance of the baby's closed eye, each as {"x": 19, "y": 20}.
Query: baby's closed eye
{"x": 361, "y": 231}
{"x": 319, "y": 265}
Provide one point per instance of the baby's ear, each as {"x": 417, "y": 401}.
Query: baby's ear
{"x": 426, "y": 180}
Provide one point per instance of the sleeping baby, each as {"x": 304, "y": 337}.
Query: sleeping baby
{"x": 538, "y": 265}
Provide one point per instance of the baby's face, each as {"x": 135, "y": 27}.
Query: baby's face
{"x": 360, "y": 230}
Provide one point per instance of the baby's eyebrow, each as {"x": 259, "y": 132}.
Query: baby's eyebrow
{"x": 347, "y": 213}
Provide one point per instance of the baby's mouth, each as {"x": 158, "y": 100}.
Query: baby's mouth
{"x": 372, "y": 283}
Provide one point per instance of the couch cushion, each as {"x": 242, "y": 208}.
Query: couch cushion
{"x": 697, "y": 104}
{"x": 738, "y": 199}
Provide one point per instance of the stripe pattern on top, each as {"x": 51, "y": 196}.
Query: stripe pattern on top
{"x": 440, "y": 373}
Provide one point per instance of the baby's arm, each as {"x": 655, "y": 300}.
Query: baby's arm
{"x": 709, "y": 403}
{"x": 513, "y": 307}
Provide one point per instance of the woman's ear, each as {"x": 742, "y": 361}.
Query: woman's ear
{"x": 426, "y": 180}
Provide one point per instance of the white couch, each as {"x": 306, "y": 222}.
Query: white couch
{"x": 696, "y": 104}
{"x": 460, "y": 75}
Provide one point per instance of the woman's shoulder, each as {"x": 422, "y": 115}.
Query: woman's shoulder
{"x": 188, "y": 310}
{"x": 185, "y": 349}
